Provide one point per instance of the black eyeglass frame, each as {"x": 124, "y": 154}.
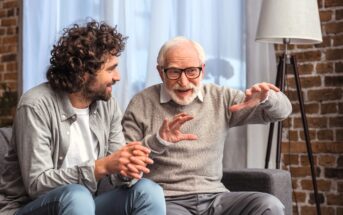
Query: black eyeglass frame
{"x": 165, "y": 70}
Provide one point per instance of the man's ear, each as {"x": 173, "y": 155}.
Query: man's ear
{"x": 160, "y": 71}
{"x": 203, "y": 70}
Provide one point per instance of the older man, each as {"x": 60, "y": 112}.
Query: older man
{"x": 188, "y": 156}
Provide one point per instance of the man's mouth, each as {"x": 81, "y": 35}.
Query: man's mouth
{"x": 184, "y": 92}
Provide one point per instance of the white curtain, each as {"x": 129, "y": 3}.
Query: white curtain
{"x": 261, "y": 67}
{"x": 219, "y": 26}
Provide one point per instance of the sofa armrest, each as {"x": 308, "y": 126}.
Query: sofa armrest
{"x": 273, "y": 181}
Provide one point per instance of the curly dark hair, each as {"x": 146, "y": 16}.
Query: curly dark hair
{"x": 80, "y": 50}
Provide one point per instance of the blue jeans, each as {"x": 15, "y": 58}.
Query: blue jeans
{"x": 145, "y": 197}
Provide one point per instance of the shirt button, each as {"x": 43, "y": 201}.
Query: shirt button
{"x": 67, "y": 132}
{"x": 61, "y": 158}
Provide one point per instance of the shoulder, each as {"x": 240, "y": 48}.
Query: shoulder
{"x": 37, "y": 96}
{"x": 211, "y": 90}
{"x": 148, "y": 95}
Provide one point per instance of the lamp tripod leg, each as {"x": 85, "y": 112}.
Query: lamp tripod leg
{"x": 306, "y": 132}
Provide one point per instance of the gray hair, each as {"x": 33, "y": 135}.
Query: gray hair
{"x": 176, "y": 41}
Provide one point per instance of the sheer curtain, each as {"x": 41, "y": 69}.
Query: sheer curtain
{"x": 219, "y": 26}
{"x": 261, "y": 67}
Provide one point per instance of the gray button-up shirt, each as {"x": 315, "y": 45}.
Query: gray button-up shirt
{"x": 40, "y": 143}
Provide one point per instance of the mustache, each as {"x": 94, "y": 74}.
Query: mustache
{"x": 190, "y": 86}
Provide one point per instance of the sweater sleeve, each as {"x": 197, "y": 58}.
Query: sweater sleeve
{"x": 276, "y": 108}
{"x": 134, "y": 128}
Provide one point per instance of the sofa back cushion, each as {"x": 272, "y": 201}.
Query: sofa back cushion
{"x": 5, "y": 138}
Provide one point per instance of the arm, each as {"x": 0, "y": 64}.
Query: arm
{"x": 127, "y": 159}
{"x": 262, "y": 103}
{"x": 35, "y": 147}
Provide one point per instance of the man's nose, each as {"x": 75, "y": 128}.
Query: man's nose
{"x": 116, "y": 76}
{"x": 183, "y": 80}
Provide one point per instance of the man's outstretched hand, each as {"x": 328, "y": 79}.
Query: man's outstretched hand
{"x": 170, "y": 129}
{"x": 254, "y": 96}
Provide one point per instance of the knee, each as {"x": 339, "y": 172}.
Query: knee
{"x": 149, "y": 195}
{"x": 148, "y": 188}
{"x": 76, "y": 197}
{"x": 272, "y": 205}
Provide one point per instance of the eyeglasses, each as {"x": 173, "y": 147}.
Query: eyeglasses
{"x": 175, "y": 73}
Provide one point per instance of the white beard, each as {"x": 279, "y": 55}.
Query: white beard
{"x": 188, "y": 99}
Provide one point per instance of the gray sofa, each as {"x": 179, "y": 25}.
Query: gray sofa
{"x": 276, "y": 182}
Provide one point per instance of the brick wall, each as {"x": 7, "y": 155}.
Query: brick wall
{"x": 9, "y": 34}
{"x": 321, "y": 72}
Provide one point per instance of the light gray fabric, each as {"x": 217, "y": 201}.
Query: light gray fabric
{"x": 274, "y": 181}
{"x": 41, "y": 141}
{"x": 189, "y": 167}
{"x": 242, "y": 203}
{"x": 5, "y": 137}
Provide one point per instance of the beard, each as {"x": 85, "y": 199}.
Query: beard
{"x": 187, "y": 100}
{"x": 93, "y": 93}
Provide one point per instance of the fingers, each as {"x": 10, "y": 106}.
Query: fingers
{"x": 179, "y": 120}
{"x": 188, "y": 137}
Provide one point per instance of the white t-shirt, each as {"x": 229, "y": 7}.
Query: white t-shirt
{"x": 83, "y": 143}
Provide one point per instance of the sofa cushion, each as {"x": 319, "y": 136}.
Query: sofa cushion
{"x": 5, "y": 137}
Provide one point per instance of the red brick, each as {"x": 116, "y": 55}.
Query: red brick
{"x": 339, "y": 67}
{"x": 339, "y": 14}
{"x": 305, "y": 161}
{"x": 337, "y": 40}
{"x": 335, "y": 199}
{"x": 300, "y": 196}
{"x": 295, "y": 147}
{"x": 11, "y": 66}
{"x": 323, "y": 185}
{"x": 339, "y": 135}
{"x": 306, "y": 68}
{"x": 10, "y": 76}
{"x": 291, "y": 159}
{"x": 334, "y": 54}
{"x": 300, "y": 171}
{"x": 325, "y": 134}
{"x": 10, "y": 39}
{"x": 327, "y": 160}
{"x": 336, "y": 121}
{"x": 329, "y": 108}
{"x": 325, "y": 15}
{"x": 340, "y": 186}
{"x": 311, "y": 108}
{"x": 8, "y": 22}
{"x": 324, "y": 94}
{"x": 313, "y": 122}
{"x": 334, "y": 27}
{"x": 308, "y": 56}
{"x": 312, "y": 134}
{"x": 306, "y": 82}
{"x": 333, "y": 81}
{"x": 9, "y": 57}
{"x": 324, "y": 68}
{"x": 333, "y": 3}
{"x": 10, "y": 4}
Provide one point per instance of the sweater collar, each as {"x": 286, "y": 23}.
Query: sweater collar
{"x": 165, "y": 97}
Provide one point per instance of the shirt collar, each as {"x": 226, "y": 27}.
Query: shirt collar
{"x": 165, "y": 97}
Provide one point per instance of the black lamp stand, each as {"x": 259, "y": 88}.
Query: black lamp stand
{"x": 280, "y": 82}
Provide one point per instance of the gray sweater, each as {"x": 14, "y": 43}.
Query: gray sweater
{"x": 194, "y": 166}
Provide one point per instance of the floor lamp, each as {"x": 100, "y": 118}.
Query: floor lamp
{"x": 290, "y": 22}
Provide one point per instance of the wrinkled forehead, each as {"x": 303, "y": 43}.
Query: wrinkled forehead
{"x": 183, "y": 55}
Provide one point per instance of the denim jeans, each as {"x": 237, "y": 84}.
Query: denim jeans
{"x": 145, "y": 197}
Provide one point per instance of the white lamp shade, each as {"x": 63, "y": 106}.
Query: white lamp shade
{"x": 296, "y": 20}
